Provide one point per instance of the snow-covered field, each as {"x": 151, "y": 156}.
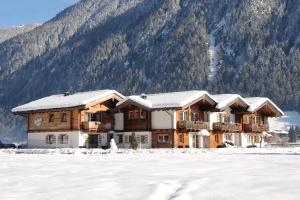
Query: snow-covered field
{"x": 150, "y": 174}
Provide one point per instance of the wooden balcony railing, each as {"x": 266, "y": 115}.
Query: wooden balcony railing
{"x": 193, "y": 125}
{"x": 227, "y": 127}
{"x": 96, "y": 126}
{"x": 255, "y": 127}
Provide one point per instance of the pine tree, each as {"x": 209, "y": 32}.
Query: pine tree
{"x": 297, "y": 132}
{"x": 134, "y": 142}
{"x": 292, "y": 134}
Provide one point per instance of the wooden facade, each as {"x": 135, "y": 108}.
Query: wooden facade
{"x": 136, "y": 118}
{"x": 94, "y": 117}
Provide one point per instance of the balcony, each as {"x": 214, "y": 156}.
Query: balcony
{"x": 227, "y": 127}
{"x": 96, "y": 126}
{"x": 193, "y": 125}
{"x": 255, "y": 127}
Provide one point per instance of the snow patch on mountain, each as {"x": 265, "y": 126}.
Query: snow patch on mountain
{"x": 213, "y": 49}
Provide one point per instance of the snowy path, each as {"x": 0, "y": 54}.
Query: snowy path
{"x": 221, "y": 174}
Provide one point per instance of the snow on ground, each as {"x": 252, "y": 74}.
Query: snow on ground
{"x": 150, "y": 174}
{"x": 290, "y": 118}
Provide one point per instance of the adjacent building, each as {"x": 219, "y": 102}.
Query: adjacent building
{"x": 166, "y": 120}
{"x": 187, "y": 119}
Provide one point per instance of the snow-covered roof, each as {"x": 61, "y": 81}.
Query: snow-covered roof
{"x": 168, "y": 100}
{"x": 225, "y": 100}
{"x": 65, "y": 101}
{"x": 257, "y": 102}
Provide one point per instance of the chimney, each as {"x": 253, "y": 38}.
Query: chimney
{"x": 143, "y": 96}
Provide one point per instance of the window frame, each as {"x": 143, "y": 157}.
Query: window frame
{"x": 51, "y": 117}
{"x": 120, "y": 139}
{"x": 144, "y": 139}
{"x": 161, "y": 139}
{"x": 196, "y": 117}
{"x": 63, "y": 139}
{"x": 50, "y": 139}
{"x": 181, "y": 138}
{"x": 64, "y": 117}
{"x": 216, "y": 138}
{"x": 184, "y": 115}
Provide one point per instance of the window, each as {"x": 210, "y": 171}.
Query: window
{"x": 163, "y": 139}
{"x": 136, "y": 114}
{"x": 63, "y": 139}
{"x": 216, "y": 138}
{"x": 98, "y": 116}
{"x": 144, "y": 139}
{"x": 64, "y": 117}
{"x": 120, "y": 138}
{"x": 50, "y": 139}
{"x": 131, "y": 115}
{"x": 100, "y": 139}
{"x": 184, "y": 115}
{"x": 223, "y": 117}
{"x": 251, "y": 139}
{"x": 228, "y": 137}
{"x": 51, "y": 117}
{"x": 126, "y": 139}
{"x": 195, "y": 117}
{"x": 138, "y": 138}
{"x": 181, "y": 137}
{"x": 142, "y": 114}
{"x": 247, "y": 119}
{"x": 94, "y": 117}
{"x": 256, "y": 120}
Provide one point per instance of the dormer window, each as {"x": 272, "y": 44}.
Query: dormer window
{"x": 64, "y": 117}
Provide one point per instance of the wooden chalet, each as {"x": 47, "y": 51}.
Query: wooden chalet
{"x": 69, "y": 119}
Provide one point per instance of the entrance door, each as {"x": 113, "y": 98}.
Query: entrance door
{"x": 93, "y": 141}
{"x": 198, "y": 141}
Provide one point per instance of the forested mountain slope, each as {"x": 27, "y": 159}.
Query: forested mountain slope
{"x": 137, "y": 46}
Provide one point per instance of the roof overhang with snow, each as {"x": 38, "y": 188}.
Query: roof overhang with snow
{"x": 165, "y": 101}
{"x": 234, "y": 101}
{"x": 264, "y": 105}
{"x": 68, "y": 101}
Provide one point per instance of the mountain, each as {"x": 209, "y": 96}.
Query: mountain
{"x": 250, "y": 47}
{"x": 7, "y": 33}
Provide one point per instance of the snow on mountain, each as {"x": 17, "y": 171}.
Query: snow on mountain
{"x": 7, "y": 33}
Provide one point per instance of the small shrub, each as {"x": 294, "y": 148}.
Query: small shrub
{"x": 222, "y": 145}
{"x": 251, "y": 146}
{"x": 134, "y": 143}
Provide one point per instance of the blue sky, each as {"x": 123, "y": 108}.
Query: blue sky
{"x": 17, "y": 12}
